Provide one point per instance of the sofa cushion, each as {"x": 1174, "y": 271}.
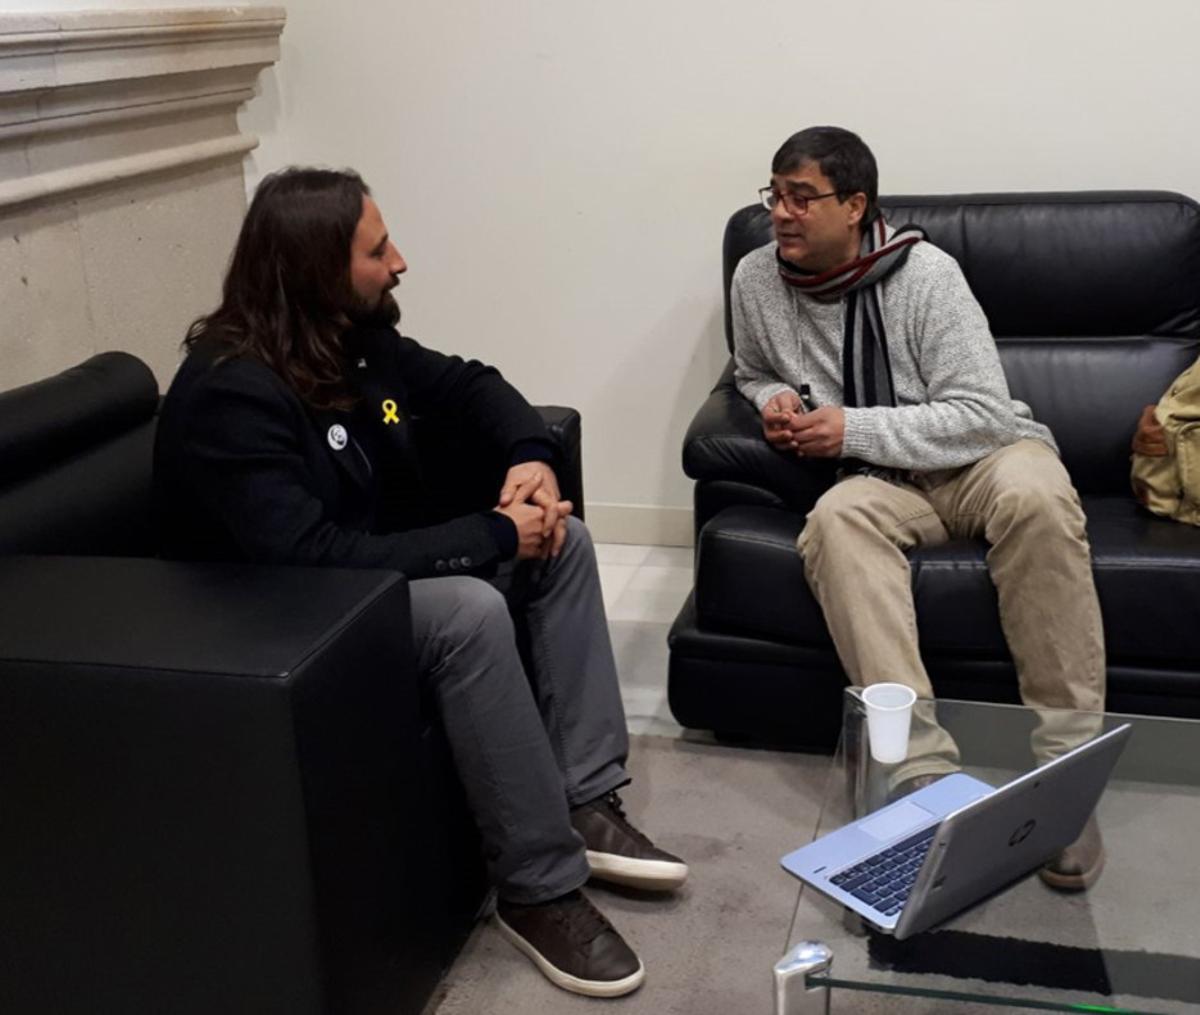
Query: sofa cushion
{"x": 750, "y": 580}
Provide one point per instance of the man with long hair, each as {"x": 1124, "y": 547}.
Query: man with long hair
{"x": 298, "y": 430}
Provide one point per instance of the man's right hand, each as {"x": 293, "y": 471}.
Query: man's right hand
{"x": 777, "y": 419}
{"x": 1150, "y": 438}
{"x": 530, "y": 521}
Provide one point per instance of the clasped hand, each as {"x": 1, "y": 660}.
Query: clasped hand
{"x": 816, "y": 434}
{"x": 530, "y": 497}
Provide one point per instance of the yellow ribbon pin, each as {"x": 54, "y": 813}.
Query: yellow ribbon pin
{"x": 389, "y": 412}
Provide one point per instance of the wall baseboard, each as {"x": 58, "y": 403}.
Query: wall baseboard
{"x": 646, "y": 524}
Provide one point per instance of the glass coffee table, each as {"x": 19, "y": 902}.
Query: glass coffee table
{"x": 1131, "y": 943}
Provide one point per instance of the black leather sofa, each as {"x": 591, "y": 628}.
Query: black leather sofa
{"x": 1094, "y": 299}
{"x": 220, "y": 788}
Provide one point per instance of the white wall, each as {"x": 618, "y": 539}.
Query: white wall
{"x": 558, "y": 172}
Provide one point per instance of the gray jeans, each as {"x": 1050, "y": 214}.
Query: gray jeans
{"x": 527, "y": 745}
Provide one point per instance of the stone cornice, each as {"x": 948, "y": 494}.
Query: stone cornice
{"x": 134, "y": 92}
{"x": 80, "y": 31}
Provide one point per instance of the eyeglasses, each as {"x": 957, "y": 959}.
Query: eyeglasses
{"x": 797, "y": 204}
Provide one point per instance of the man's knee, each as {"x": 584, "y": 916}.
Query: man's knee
{"x": 1025, "y": 498}
{"x": 577, "y": 533}
{"x": 835, "y": 506}
{"x": 458, "y": 617}
{"x": 864, "y": 508}
{"x": 831, "y": 522}
{"x": 1035, "y": 491}
{"x": 577, "y": 547}
{"x": 471, "y": 608}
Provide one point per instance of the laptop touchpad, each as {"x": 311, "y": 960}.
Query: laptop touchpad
{"x": 895, "y": 821}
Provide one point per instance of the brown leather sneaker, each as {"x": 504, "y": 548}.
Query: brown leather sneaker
{"x": 1079, "y": 865}
{"x": 573, "y": 944}
{"x": 618, "y": 852}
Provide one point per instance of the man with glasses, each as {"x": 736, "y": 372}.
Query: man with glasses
{"x": 861, "y": 342}
{"x": 290, "y": 435}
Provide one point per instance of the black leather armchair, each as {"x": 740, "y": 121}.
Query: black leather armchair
{"x": 1094, "y": 299}
{"x": 220, "y": 788}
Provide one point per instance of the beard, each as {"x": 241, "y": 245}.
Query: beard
{"x": 384, "y": 313}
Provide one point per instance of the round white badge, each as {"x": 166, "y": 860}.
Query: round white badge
{"x": 337, "y": 437}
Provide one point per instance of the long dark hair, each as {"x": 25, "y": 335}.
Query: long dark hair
{"x": 288, "y": 283}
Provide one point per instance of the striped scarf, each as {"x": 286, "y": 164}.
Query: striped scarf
{"x": 866, "y": 367}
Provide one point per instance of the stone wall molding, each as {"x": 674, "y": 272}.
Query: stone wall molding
{"x": 90, "y": 98}
{"x": 66, "y": 181}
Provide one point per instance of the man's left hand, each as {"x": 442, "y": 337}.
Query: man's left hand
{"x": 819, "y": 434}
{"x": 1150, "y": 437}
{"x": 536, "y": 483}
{"x": 525, "y": 479}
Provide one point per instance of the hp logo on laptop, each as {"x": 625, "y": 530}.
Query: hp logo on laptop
{"x": 1022, "y": 833}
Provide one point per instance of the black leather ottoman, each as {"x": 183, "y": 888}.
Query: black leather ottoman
{"x": 207, "y": 775}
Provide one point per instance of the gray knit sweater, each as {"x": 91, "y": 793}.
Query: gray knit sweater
{"x": 952, "y": 401}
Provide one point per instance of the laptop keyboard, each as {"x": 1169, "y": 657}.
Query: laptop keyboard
{"x": 884, "y": 880}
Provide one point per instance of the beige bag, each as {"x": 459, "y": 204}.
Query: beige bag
{"x": 1170, "y": 485}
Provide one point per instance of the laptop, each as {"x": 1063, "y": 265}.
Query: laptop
{"x": 922, "y": 858}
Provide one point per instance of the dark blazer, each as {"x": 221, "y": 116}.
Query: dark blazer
{"x": 244, "y": 470}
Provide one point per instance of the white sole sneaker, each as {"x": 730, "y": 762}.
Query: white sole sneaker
{"x": 652, "y": 875}
{"x": 589, "y": 988}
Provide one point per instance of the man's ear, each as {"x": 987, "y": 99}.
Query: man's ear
{"x": 857, "y": 206}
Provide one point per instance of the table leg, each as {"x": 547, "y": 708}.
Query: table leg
{"x": 793, "y": 995}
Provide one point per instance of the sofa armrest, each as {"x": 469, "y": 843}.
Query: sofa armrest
{"x": 725, "y": 443}
{"x": 204, "y": 777}
{"x": 75, "y": 460}
{"x": 461, "y": 476}
{"x": 565, "y": 426}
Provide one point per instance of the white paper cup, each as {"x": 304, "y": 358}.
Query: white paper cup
{"x": 889, "y": 715}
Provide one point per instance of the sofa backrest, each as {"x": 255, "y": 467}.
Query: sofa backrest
{"x": 76, "y": 454}
{"x": 1093, "y": 297}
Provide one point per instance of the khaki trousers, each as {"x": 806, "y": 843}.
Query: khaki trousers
{"x": 1021, "y": 501}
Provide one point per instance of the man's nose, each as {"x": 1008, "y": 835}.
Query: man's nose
{"x": 781, "y": 212}
{"x": 397, "y": 265}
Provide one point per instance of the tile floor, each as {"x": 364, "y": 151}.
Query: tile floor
{"x": 644, "y": 586}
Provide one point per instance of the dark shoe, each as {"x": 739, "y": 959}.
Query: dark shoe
{"x": 573, "y": 944}
{"x": 618, "y": 852}
{"x": 1079, "y": 865}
